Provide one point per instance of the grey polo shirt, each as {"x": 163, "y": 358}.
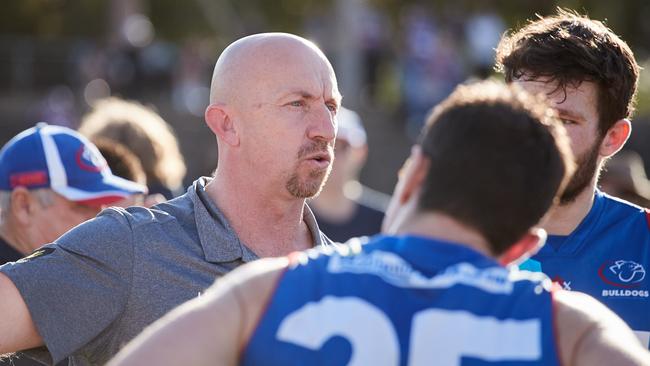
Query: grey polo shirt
{"x": 101, "y": 283}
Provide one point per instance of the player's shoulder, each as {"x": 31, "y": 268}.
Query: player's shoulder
{"x": 578, "y": 314}
{"x": 589, "y": 331}
{"x": 322, "y": 254}
{"x": 617, "y": 211}
{"x": 580, "y": 308}
{"x": 256, "y": 278}
{"x": 620, "y": 207}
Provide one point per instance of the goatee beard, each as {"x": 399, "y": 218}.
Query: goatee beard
{"x": 312, "y": 184}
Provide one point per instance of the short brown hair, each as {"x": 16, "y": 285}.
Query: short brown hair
{"x": 570, "y": 48}
{"x": 498, "y": 159}
{"x": 144, "y": 132}
{"x": 121, "y": 160}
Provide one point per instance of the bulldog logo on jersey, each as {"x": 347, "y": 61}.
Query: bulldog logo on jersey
{"x": 622, "y": 273}
{"x": 625, "y": 274}
{"x": 90, "y": 159}
{"x": 628, "y": 271}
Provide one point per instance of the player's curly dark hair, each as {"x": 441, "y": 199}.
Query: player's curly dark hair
{"x": 569, "y": 48}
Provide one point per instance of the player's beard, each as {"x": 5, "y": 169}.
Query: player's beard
{"x": 586, "y": 169}
{"x": 309, "y": 184}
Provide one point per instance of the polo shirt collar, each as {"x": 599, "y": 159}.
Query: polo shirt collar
{"x": 212, "y": 225}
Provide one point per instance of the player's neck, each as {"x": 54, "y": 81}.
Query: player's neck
{"x": 268, "y": 226}
{"x": 443, "y": 227}
{"x": 564, "y": 219}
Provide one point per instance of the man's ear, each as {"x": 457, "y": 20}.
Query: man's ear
{"x": 22, "y": 205}
{"x": 615, "y": 137}
{"x": 414, "y": 172}
{"x": 220, "y": 122}
{"x": 527, "y": 246}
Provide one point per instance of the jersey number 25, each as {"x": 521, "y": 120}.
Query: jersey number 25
{"x": 438, "y": 335}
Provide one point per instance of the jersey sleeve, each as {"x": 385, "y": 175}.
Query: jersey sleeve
{"x": 78, "y": 286}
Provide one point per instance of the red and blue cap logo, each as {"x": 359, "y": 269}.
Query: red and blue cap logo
{"x": 47, "y": 156}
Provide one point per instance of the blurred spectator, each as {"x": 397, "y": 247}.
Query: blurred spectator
{"x": 483, "y": 32}
{"x": 125, "y": 164}
{"x": 624, "y": 176}
{"x": 373, "y": 37}
{"x": 190, "y": 89}
{"x": 146, "y": 134}
{"x": 121, "y": 160}
{"x": 344, "y": 208}
{"x": 51, "y": 179}
{"x": 431, "y": 66}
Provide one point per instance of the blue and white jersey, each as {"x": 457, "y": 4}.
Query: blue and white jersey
{"x": 404, "y": 301}
{"x": 606, "y": 256}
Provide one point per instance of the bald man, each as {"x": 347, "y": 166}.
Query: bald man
{"x": 273, "y": 103}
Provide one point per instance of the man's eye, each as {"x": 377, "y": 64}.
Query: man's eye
{"x": 297, "y": 103}
{"x": 332, "y": 107}
{"x": 567, "y": 121}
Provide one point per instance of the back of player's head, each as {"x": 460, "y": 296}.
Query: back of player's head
{"x": 498, "y": 157}
{"x": 569, "y": 48}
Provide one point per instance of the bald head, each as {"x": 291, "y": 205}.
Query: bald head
{"x": 258, "y": 58}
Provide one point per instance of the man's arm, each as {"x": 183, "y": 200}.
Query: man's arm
{"x": 74, "y": 289}
{"x": 210, "y": 329}
{"x": 591, "y": 334}
{"x": 17, "y": 330}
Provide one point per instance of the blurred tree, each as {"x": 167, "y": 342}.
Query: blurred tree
{"x": 53, "y": 18}
{"x": 628, "y": 18}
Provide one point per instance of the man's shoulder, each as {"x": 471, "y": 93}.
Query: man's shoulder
{"x": 620, "y": 207}
{"x": 617, "y": 212}
{"x": 178, "y": 209}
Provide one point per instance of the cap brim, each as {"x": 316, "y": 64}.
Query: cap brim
{"x": 109, "y": 190}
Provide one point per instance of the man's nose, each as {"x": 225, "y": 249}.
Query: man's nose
{"x": 323, "y": 124}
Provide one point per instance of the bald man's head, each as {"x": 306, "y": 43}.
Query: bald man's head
{"x": 273, "y": 106}
{"x": 251, "y": 60}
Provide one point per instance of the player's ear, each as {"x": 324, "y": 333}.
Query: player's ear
{"x": 219, "y": 120}
{"x": 616, "y": 137}
{"x": 413, "y": 173}
{"x": 525, "y": 247}
{"x": 22, "y": 205}
{"x": 411, "y": 177}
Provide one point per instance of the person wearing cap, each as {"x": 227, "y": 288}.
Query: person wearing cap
{"x": 51, "y": 180}
{"x": 345, "y": 208}
{"x": 273, "y": 105}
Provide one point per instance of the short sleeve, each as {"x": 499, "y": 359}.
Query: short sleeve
{"x": 78, "y": 286}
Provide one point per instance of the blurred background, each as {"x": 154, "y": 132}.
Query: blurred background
{"x": 394, "y": 59}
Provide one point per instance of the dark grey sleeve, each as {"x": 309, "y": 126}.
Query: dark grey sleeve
{"x": 76, "y": 287}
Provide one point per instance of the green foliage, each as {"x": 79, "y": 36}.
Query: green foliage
{"x": 53, "y": 18}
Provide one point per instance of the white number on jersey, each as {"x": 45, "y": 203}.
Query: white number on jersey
{"x": 437, "y": 335}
